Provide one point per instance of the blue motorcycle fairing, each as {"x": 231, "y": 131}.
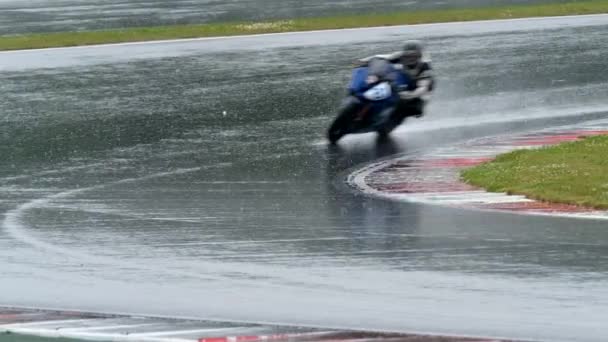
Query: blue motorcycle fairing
{"x": 358, "y": 84}
{"x": 378, "y": 109}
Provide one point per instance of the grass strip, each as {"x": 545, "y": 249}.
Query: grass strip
{"x": 572, "y": 173}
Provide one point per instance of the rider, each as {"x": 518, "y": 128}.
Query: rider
{"x": 417, "y": 66}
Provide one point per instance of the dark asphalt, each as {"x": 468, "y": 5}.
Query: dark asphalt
{"x": 175, "y": 185}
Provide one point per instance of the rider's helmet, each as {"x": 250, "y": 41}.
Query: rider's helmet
{"x": 411, "y": 54}
{"x": 380, "y": 69}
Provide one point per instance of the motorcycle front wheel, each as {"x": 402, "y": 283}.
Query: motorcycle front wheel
{"x": 341, "y": 125}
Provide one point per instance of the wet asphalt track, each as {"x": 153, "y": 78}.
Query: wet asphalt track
{"x": 166, "y": 182}
{"x": 23, "y": 16}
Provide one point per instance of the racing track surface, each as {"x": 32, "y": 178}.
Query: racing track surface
{"x": 164, "y": 182}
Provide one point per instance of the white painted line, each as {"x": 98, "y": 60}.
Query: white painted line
{"x": 482, "y": 197}
{"x": 447, "y": 194}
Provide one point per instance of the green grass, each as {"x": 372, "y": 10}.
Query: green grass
{"x": 572, "y": 173}
{"x": 61, "y": 39}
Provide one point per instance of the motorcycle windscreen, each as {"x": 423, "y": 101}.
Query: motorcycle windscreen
{"x": 358, "y": 82}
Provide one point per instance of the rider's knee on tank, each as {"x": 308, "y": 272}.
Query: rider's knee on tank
{"x": 411, "y": 107}
{"x": 418, "y": 107}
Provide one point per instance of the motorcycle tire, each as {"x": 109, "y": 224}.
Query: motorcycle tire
{"x": 340, "y": 126}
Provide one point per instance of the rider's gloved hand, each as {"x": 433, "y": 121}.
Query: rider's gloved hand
{"x": 407, "y": 95}
{"x": 411, "y": 100}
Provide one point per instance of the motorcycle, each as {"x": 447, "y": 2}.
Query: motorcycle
{"x": 373, "y": 98}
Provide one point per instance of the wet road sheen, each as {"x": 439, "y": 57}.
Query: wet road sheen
{"x": 177, "y": 185}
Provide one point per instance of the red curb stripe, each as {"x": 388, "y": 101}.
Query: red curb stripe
{"x": 537, "y": 206}
{"x": 338, "y": 336}
{"x": 556, "y": 138}
{"x": 548, "y": 140}
{"x": 8, "y": 318}
{"x": 251, "y": 338}
{"x": 454, "y": 162}
{"x": 424, "y": 187}
{"x": 592, "y": 132}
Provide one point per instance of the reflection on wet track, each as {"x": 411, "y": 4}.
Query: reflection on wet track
{"x": 200, "y": 185}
